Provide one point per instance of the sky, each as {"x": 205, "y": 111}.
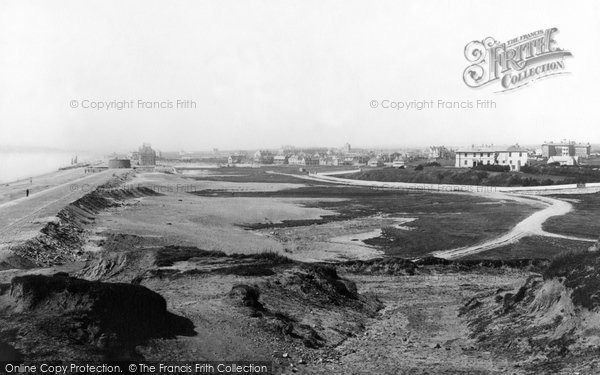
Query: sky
{"x": 272, "y": 72}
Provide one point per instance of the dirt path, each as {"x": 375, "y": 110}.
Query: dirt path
{"x": 419, "y": 331}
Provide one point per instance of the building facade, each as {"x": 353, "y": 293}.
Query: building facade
{"x": 146, "y": 155}
{"x": 439, "y": 152}
{"x": 564, "y": 160}
{"x": 235, "y": 159}
{"x": 513, "y": 157}
{"x": 582, "y": 150}
{"x": 398, "y": 162}
{"x": 375, "y": 162}
{"x": 263, "y": 157}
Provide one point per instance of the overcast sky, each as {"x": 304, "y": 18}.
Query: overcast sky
{"x": 273, "y": 72}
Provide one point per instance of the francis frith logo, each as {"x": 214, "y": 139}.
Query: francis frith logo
{"x": 514, "y": 63}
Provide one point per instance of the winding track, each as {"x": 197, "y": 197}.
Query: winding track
{"x": 530, "y": 226}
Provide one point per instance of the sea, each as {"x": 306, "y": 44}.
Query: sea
{"x": 16, "y": 165}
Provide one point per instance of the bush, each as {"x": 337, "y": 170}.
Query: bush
{"x": 419, "y": 167}
{"x": 547, "y": 182}
{"x": 492, "y": 167}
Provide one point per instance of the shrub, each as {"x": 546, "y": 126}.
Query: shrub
{"x": 492, "y": 167}
{"x": 547, "y": 182}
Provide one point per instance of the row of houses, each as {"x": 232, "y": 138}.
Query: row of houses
{"x": 333, "y": 160}
{"x": 318, "y": 158}
{"x": 514, "y": 157}
{"x": 563, "y": 153}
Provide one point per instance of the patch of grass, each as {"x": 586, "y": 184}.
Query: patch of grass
{"x": 468, "y": 176}
{"x": 443, "y": 220}
{"x": 247, "y": 270}
{"x": 246, "y": 174}
{"x": 583, "y": 221}
{"x": 534, "y": 247}
{"x": 168, "y": 255}
{"x": 269, "y": 257}
{"x": 313, "y": 191}
{"x": 447, "y": 228}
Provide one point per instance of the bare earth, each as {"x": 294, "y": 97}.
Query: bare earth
{"x": 419, "y": 331}
{"x": 305, "y": 317}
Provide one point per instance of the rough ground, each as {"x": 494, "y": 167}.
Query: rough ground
{"x": 550, "y": 324}
{"x": 22, "y": 218}
{"x": 419, "y": 330}
{"x": 238, "y": 297}
{"x": 49, "y": 317}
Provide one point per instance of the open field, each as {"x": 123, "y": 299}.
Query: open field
{"x": 246, "y": 174}
{"x": 532, "y": 247}
{"x": 464, "y": 176}
{"x": 584, "y": 220}
{"x": 437, "y": 220}
{"x": 246, "y": 265}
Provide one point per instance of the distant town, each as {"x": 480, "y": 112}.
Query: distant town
{"x": 506, "y": 158}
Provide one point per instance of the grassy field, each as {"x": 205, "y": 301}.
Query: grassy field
{"x": 247, "y": 174}
{"x": 533, "y": 247}
{"x": 467, "y": 176}
{"x": 442, "y": 221}
{"x": 583, "y": 221}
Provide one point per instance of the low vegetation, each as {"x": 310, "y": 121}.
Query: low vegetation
{"x": 167, "y": 256}
{"x": 583, "y": 221}
{"x": 442, "y": 220}
{"x": 533, "y": 247}
{"x": 486, "y": 175}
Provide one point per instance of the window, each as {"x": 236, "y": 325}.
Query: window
{"x": 465, "y": 162}
{"x": 481, "y": 155}
{"x": 510, "y": 154}
{"x": 520, "y": 154}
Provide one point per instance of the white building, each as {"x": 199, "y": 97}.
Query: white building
{"x": 398, "y": 162}
{"x": 375, "y": 162}
{"x": 514, "y": 157}
{"x": 564, "y": 160}
{"x": 280, "y": 159}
